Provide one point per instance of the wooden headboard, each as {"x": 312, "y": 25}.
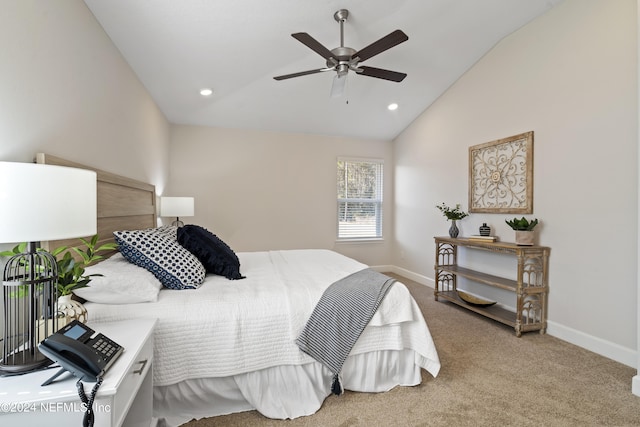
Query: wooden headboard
{"x": 123, "y": 203}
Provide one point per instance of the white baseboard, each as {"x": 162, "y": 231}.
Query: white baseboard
{"x": 423, "y": 280}
{"x": 597, "y": 345}
{"x": 635, "y": 385}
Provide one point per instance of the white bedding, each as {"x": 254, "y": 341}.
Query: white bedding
{"x": 231, "y": 327}
{"x": 282, "y": 392}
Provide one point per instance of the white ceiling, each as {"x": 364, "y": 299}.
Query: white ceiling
{"x": 177, "y": 47}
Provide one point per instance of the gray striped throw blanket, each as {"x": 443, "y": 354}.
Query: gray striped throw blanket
{"x": 337, "y": 321}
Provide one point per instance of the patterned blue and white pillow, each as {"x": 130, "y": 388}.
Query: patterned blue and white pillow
{"x": 174, "y": 266}
{"x": 170, "y": 231}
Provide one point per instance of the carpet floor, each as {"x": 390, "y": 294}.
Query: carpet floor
{"x": 489, "y": 377}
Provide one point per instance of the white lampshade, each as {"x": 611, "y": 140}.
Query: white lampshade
{"x": 44, "y": 202}
{"x": 176, "y": 206}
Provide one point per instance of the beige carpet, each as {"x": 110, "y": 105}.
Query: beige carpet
{"x": 489, "y": 377}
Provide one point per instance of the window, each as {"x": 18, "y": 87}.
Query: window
{"x": 359, "y": 198}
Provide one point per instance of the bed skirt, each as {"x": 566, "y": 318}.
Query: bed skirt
{"x": 282, "y": 392}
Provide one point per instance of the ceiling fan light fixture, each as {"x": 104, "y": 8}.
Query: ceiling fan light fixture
{"x": 338, "y": 86}
{"x": 206, "y": 92}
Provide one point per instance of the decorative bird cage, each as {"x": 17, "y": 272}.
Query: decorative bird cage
{"x": 30, "y": 294}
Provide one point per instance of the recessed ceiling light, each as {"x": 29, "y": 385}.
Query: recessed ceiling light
{"x": 393, "y": 106}
{"x": 206, "y": 92}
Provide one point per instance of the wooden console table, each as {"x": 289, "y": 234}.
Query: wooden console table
{"x": 530, "y": 286}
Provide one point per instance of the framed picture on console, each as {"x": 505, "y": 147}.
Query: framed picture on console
{"x": 501, "y": 175}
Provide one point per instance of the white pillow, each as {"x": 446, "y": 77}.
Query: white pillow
{"x": 121, "y": 283}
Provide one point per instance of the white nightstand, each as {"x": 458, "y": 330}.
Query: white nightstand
{"x": 125, "y": 397}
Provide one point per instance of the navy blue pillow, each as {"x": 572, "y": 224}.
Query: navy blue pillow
{"x": 216, "y": 256}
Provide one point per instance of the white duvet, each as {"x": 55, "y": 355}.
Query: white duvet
{"x": 228, "y": 327}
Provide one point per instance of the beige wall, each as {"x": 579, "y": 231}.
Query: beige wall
{"x": 571, "y": 77}
{"x": 66, "y": 90}
{"x": 262, "y": 190}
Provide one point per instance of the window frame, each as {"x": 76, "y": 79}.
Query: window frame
{"x": 378, "y": 201}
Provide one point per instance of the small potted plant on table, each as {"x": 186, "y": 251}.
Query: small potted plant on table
{"x": 525, "y": 235}
{"x": 454, "y": 215}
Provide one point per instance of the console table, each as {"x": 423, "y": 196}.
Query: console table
{"x": 530, "y": 285}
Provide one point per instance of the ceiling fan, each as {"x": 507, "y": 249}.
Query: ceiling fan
{"x": 342, "y": 59}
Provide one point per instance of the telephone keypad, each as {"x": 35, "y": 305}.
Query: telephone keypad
{"x": 106, "y": 347}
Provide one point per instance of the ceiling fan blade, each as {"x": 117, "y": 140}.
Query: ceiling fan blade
{"x": 314, "y": 45}
{"x": 379, "y": 73}
{"x": 387, "y": 42}
{"x": 302, "y": 73}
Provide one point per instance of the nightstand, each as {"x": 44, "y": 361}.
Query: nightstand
{"x": 125, "y": 397}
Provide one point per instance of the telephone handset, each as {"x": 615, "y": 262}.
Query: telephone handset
{"x": 74, "y": 349}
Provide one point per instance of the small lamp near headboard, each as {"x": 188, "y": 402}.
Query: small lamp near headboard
{"x": 38, "y": 203}
{"x": 176, "y": 207}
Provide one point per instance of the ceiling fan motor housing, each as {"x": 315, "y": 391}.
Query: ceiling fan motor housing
{"x": 345, "y": 62}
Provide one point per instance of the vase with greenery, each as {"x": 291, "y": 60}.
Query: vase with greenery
{"x": 524, "y": 229}
{"x": 452, "y": 214}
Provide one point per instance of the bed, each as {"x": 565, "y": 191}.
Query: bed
{"x": 230, "y": 345}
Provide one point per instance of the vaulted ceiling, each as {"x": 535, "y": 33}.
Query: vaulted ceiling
{"x": 178, "y": 47}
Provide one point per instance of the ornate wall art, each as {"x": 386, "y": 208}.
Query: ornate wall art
{"x": 501, "y": 175}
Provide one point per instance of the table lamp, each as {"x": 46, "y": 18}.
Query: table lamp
{"x": 177, "y": 207}
{"x": 38, "y": 203}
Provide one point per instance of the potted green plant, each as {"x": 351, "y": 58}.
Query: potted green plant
{"x": 71, "y": 275}
{"x": 452, "y": 214}
{"x": 71, "y": 271}
{"x": 525, "y": 235}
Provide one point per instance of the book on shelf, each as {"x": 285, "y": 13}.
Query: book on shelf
{"x": 483, "y": 238}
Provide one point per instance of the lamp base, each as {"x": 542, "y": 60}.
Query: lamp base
{"x": 178, "y": 223}
{"x": 24, "y": 361}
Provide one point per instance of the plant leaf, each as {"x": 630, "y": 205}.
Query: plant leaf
{"x": 58, "y": 251}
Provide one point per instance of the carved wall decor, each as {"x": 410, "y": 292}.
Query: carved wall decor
{"x": 501, "y": 175}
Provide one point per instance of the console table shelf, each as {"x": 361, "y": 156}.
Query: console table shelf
{"x": 488, "y": 279}
{"x": 530, "y": 286}
{"x": 493, "y": 312}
